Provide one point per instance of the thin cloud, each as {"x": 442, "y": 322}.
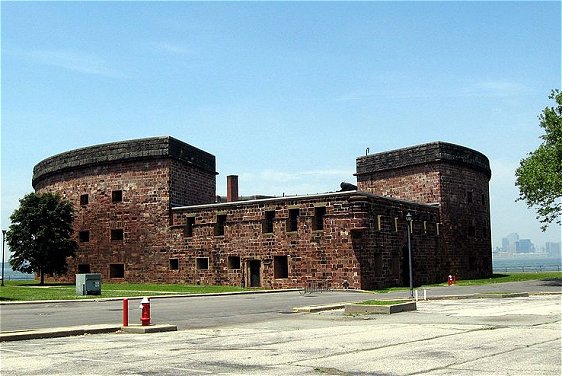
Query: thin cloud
{"x": 71, "y": 60}
{"x": 477, "y": 89}
{"x": 495, "y": 89}
{"x": 171, "y": 48}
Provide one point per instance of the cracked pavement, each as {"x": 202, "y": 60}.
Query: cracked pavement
{"x": 511, "y": 336}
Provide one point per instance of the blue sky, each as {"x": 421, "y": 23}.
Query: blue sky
{"x": 284, "y": 94}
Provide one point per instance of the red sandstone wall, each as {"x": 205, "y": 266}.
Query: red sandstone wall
{"x": 326, "y": 254}
{"x": 465, "y": 214}
{"x": 190, "y": 185}
{"x": 351, "y": 247}
{"x": 143, "y": 215}
{"x": 463, "y": 197}
{"x": 382, "y": 247}
{"x": 414, "y": 183}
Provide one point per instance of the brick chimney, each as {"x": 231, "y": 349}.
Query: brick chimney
{"x": 231, "y": 188}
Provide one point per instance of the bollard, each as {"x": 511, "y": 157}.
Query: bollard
{"x": 125, "y": 312}
{"x": 455, "y": 279}
{"x": 424, "y": 294}
{"x": 416, "y": 295}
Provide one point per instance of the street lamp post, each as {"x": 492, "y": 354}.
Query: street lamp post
{"x": 3, "y": 242}
{"x": 409, "y": 220}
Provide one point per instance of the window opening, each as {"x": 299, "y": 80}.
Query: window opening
{"x": 219, "y": 225}
{"x": 84, "y": 236}
{"x": 83, "y": 268}
{"x": 174, "y": 264}
{"x": 268, "y": 222}
{"x": 117, "y": 234}
{"x": 281, "y": 266}
{"x": 188, "y": 229}
{"x": 319, "y": 213}
{"x": 293, "y": 220}
{"x": 202, "y": 263}
{"x": 233, "y": 262}
{"x": 117, "y": 196}
{"x": 84, "y": 199}
{"x": 116, "y": 270}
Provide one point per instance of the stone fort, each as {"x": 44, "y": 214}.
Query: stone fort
{"x": 146, "y": 210}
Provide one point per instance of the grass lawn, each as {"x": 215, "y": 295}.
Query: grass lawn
{"x": 496, "y": 278}
{"x": 31, "y": 290}
{"x": 510, "y": 277}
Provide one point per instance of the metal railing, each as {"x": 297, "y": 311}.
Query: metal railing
{"x": 528, "y": 268}
{"x": 315, "y": 286}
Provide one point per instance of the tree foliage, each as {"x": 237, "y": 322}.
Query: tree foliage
{"x": 539, "y": 176}
{"x": 40, "y": 235}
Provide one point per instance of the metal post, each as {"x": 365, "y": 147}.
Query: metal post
{"x": 125, "y": 312}
{"x": 3, "y": 242}
{"x": 409, "y": 220}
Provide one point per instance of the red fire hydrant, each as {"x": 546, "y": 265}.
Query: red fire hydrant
{"x": 145, "y": 315}
{"x": 450, "y": 280}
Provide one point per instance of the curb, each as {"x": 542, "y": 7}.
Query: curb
{"x": 152, "y": 297}
{"x": 58, "y": 332}
{"x": 158, "y": 328}
{"x": 70, "y": 331}
{"x": 313, "y": 309}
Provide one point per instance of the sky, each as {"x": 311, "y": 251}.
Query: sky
{"x": 285, "y": 94}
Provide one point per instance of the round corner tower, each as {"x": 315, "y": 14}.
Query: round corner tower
{"x": 122, "y": 193}
{"x": 453, "y": 177}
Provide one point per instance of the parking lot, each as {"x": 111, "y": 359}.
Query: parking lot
{"x": 511, "y": 336}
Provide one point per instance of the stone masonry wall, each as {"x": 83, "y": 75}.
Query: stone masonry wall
{"x": 190, "y": 185}
{"x": 363, "y": 242}
{"x": 465, "y": 217}
{"x": 455, "y": 178}
{"x": 122, "y": 193}
{"x": 142, "y": 215}
{"x": 382, "y": 248}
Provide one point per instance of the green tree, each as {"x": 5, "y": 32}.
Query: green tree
{"x": 40, "y": 235}
{"x": 539, "y": 176}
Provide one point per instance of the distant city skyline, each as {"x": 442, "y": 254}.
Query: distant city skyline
{"x": 516, "y": 245}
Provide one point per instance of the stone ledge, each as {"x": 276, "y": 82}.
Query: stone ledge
{"x": 318, "y": 308}
{"x": 355, "y": 308}
{"x": 57, "y": 332}
{"x": 159, "y": 328}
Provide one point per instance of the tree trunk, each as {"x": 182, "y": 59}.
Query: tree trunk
{"x": 42, "y": 277}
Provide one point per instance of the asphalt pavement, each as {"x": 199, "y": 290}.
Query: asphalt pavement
{"x": 470, "y": 336}
{"x": 205, "y": 311}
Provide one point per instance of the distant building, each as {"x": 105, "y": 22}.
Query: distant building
{"x": 552, "y": 249}
{"x": 524, "y": 246}
{"x": 147, "y": 211}
{"x": 509, "y": 242}
{"x": 505, "y": 245}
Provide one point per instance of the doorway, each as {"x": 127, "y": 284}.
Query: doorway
{"x": 254, "y": 273}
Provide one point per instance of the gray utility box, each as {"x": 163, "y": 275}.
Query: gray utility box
{"x": 88, "y": 284}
